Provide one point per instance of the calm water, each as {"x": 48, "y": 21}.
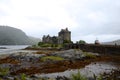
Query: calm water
{"x": 11, "y": 48}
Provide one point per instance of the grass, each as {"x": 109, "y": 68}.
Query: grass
{"x": 23, "y": 76}
{"x": 78, "y": 76}
{"x": 46, "y": 45}
{"x": 89, "y": 55}
{"x": 100, "y": 77}
{"x": 53, "y": 58}
{"x": 4, "y": 71}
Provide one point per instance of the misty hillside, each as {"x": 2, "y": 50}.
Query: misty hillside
{"x": 34, "y": 40}
{"x": 13, "y": 36}
{"x": 113, "y": 42}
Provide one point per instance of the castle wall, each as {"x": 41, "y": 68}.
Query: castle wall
{"x": 63, "y": 35}
{"x": 102, "y": 49}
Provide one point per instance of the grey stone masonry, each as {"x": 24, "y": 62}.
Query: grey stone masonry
{"x": 63, "y": 35}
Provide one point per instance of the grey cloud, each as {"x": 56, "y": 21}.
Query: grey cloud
{"x": 38, "y": 18}
{"x": 111, "y": 10}
{"x": 78, "y": 10}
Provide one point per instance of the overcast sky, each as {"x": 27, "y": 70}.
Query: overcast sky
{"x": 86, "y": 19}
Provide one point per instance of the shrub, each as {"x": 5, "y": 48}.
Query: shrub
{"x": 34, "y": 46}
{"x": 100, "y": 77}
{"x": 23, "y": 76}
{"x": 78, "y": 76}
{"x": 46, "y": 45}
{"x": 40, "y": 43}
{"x": 81, "y": 42}
{"x": 67, "y": 42}
{"x": 4, "y": 71}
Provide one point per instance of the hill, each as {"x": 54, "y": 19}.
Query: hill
{"x": 117, "y": 42}
{"x": 34, "y": 40}
{"x": 13, "y": 36}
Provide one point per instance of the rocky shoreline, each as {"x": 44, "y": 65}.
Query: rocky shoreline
{"x": 49, "y": 61}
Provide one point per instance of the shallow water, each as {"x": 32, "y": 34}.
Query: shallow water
{"x": 11, "y": 48}
{"x": 91, "y": 69}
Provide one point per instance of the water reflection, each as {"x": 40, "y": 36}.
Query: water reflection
{"x": 11, "y": 48}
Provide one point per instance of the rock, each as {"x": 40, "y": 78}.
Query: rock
{"x": 33, "y": 76}
{"x": 9, "y": 78}
{"x": 91, "y": 78}
{"x": 3, "y": 48}
{"x": 118, "y": 77}
{"x": 69, "y": 54}
{"x": 62, "y": 78}
{"x": 26, "y": 56}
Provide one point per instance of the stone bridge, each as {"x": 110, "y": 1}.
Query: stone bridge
{"x": 102, "y": 49}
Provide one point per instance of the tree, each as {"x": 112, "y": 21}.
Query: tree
{"x": 40, "y": 43}
{"x": 81, "y": 42}
{"x": 67, "y": 41}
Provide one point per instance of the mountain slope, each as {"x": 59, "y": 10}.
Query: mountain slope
{"x": 34, "y": 40}
{"x": 13, "y": 36}
{"x": 117, "y": 42}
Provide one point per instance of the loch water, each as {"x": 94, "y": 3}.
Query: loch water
{"x": 5, "y": 49}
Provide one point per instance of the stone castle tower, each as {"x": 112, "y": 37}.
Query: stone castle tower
{"x": 63, "y": 35}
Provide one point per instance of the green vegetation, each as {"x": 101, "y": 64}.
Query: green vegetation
{"x": 13, "y": 36}
{"x": 78, "y": 76}
{"x": 4, "y": 71}
{"x": 100, "y": 77}
{"x": 41, "y": 44}
{"x": 54, "y": 58}
{"x": 67, "y": 41}
{"x": 23, "y": 76}
{"x": 89, "y": 55}
{"x": 46, "y": 45}
{"x": 34, "y": 46}
{"x": 81, "y": 42}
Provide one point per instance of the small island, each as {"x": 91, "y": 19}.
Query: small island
{"x": 3, "y": 48}
{"x": 58, "y": 58}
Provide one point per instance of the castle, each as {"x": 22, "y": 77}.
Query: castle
{"x": 63, "y": 35}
